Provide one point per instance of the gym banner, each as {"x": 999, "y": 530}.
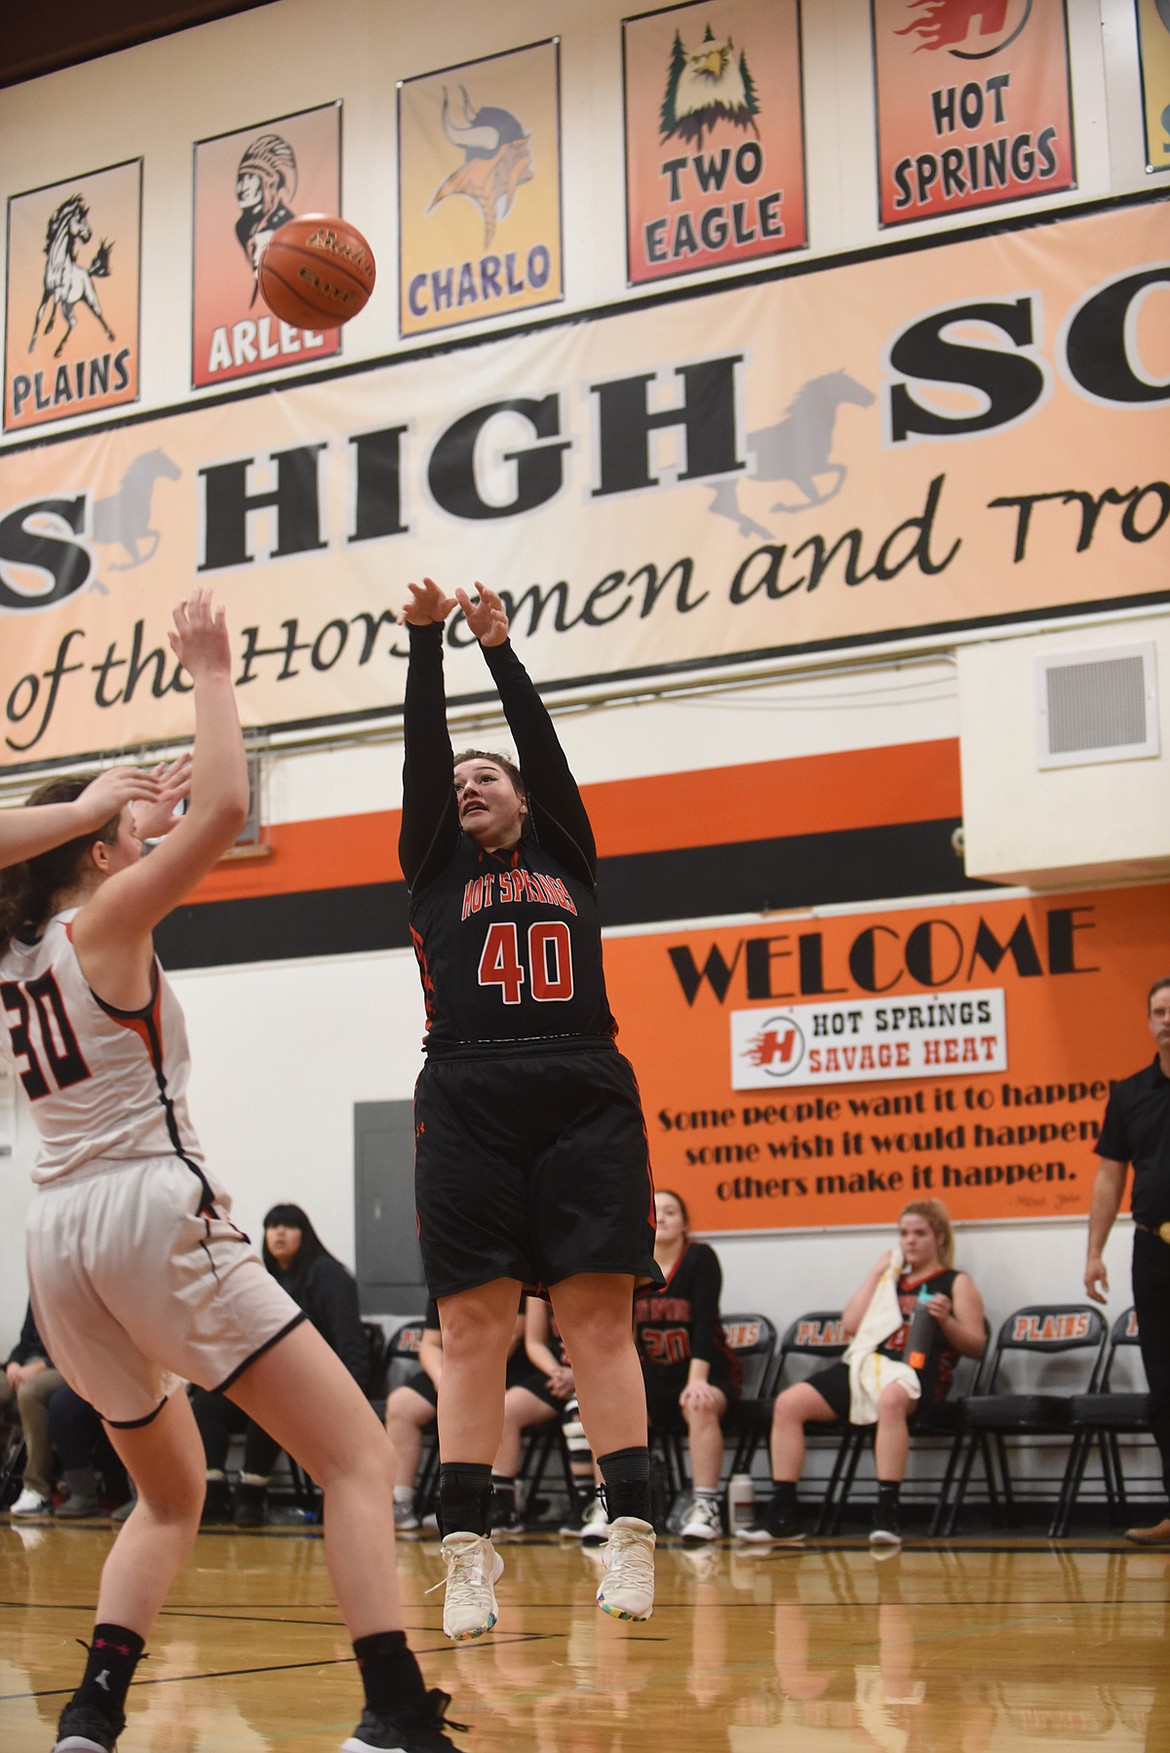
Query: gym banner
{"x": 820, "y": 1070}
{"x": 714, "y": 135}
{"x": 926, "y": 442}
{"x": 479, "y": 189}
{"x": 1153, "y": 17}
{"x": 71, "y": 335}
{"x": 247, "y": 185}
{"x": 974, "y": 105}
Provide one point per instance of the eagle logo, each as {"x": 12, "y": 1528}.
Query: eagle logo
{"x": 705, "y": 86}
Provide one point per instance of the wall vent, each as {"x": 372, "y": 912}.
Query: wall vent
{"x": 1096, "y": 706}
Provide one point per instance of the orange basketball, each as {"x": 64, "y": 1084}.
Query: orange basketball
{"x": 316, "y": 272}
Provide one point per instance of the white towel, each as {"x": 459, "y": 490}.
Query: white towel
{"x": 869, "y": 1372}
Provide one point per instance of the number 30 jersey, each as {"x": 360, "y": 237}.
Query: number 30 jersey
{"x": 508, "y": 943}
{"x": 103, "y": 1083}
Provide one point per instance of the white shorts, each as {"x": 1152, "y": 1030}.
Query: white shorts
{"x": 135, "y": 1290}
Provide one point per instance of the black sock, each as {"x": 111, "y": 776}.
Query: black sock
{"x": 626, "y": 1491}
{"x": 113, "y": 1656}
{"x": 783, "y": 1505}
{"x": 889, "y": 1492}
{"x": 390, "y": 1674}
{"x": 465, "y": 1497}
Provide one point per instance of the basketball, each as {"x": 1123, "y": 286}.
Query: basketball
{"x": 316, "y": 272}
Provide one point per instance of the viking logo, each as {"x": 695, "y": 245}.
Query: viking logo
{"x": 266, "y": 182}
{"x": 497, "y": 159}
{"x": 706, "y": 87}
{"x": 67, "y": 283}
{"x": 945, "y": 23}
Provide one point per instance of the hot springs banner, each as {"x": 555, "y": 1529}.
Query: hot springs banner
{"x": 817, "y": 1071}
{"x": 928, "y": 440}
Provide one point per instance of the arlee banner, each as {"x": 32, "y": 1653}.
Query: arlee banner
{"x": 973, "y": 104}
{"x": 247, "y": 185}
{"x": 926, "y": 442}
{"x": 959, "y": 1050}
{"x": 714, "y": 136}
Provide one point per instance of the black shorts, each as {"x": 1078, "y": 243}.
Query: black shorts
{"x": 662, "y": 1407}
{"x": 832, "y": 1384}
{"x": 422, "y": 1384}
{"x": 532, "y": 1163}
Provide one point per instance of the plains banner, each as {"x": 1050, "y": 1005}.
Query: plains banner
{"x": 248, "y": 184}
{"x": 714, "y": 135}
{"x": 1154, "y": 36}
{"x": 973, "y": 104}
{"x": 479, "y": 190}
{"x": 822, "y": 1070}
{"x": 71, "y": 333}
{"x": 927, "y": 442}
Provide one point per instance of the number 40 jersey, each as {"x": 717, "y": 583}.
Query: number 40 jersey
{"x": 103, "y": 1083}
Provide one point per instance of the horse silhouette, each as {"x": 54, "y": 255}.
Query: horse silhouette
{"x": 795, "y": 449}
{"x": 67, "y": 283}
{"x": 124, "y": 517}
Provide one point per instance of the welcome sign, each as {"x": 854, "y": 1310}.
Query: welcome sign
{"x": 932, "y": 440}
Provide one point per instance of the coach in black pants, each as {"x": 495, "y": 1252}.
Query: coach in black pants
{"x": 1136, "y": 1130}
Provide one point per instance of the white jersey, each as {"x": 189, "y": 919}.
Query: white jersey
{"x": 106, "y": 1085}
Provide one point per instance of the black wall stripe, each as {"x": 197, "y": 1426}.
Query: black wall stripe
{"x": 865, "y": 864}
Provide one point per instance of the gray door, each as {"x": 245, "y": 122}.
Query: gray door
{"x": 389, "y": 1266}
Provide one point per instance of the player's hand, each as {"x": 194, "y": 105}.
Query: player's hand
{"x": 1096, "y": 1279}
{"x": 200, "y": 637}
{"x": 110, "y": 792}
{"x": 426, "y": 605}
{"x": 940, "y": 1307}
{"x": 154, "y": 819}
{"x": 699, "y": 1395}
{"x": 560, "y": 1382}
{"x": 487, "y": 617}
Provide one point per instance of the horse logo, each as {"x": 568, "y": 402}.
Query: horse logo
{"x": 67, "y": 284}
{"x": 497, "y": 158}
{"x": 796, "y": 449}
{"x": 124, "y": 516}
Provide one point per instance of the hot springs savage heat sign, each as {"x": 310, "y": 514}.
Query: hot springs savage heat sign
{"x": 928, "y": 440}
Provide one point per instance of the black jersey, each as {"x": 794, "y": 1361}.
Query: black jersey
{"x": 508, "y": 943}
{"x": 942, "y": 1359}
{"x": 681, "y": 1320}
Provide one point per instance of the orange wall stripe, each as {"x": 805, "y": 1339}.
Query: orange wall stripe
{"x": 761, "y": 800}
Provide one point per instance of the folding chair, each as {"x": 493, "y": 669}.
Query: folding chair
{"x": 1100, "y": 1416}
{"x": 932, "y": 1425}
{"x": 1036, "y": 1334}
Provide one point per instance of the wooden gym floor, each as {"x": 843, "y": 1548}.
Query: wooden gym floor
{"x": 984, "y": 1646}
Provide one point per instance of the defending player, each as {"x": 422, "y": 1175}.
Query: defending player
{"x": 138, "y": 1277}
{"x": 531, "y": 1160}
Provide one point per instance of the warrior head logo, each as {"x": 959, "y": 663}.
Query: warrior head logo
{"x": 266, "y": 182}
{"x": 67, "y": 283}
{"x": 706, "y": 86}
{"x": 497, "y": 159}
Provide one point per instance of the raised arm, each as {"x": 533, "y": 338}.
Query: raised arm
{"x": 430, "y": 818}
{"x": 27, "y": 832}
{"x": 555, "y": 809}
{"x": 854, "y": 1311}
{"x": 112, "y": 931}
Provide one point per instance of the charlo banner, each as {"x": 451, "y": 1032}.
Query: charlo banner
{"x": 813, "y": 1071}
{"x": 922, "y": 441}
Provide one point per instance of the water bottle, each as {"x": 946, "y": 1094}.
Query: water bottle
{"x": 741, "y": 1503}
{"x": 921, "y": 1335}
